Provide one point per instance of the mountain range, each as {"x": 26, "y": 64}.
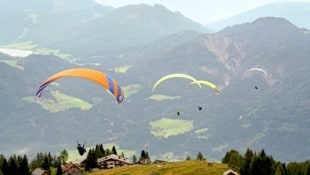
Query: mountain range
{"x": 295, "y": 12}
{"x": 103, "y": 28}
{"x": 261, "y": 69}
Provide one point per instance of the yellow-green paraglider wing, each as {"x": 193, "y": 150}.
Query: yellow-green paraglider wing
{"x": 170, "y": 76}
{"x": 207, "y": 83}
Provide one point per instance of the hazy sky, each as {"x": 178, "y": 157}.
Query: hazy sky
{"x": 202, "y": 11}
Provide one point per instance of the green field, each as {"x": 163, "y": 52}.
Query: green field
{"x": 60, "y": 102}
{"x": 192, "y": 167}
{"x": 160, "y": 97}
{"x": 29, "y": 45}
{"x": 12, "y": 63}
{"x": 131, "y": 89}
{"x": 166, "y": 127}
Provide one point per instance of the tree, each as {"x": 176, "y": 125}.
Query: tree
{"x": 147, "y": 155}
{"x": 63, "y": 156}
{"x": 98, "y": 152}
{"x": 91, "y": 160}
{"x": 59, "y": 170}
{"x": 245, "y": 169}
{"x": 12, "y": 165}
{"x": 144, "y": 157}
{"x": 5, "y": 167}
{"x": 233, "y": 159}
{"x": 134, "y": 159}
{"x": 298, "y": 168}
{"x": 114, "y": 150}
{"x": 262, "y": 164}
{"x": 46, "y": 164}
{"x": 108, "y": 152}
{"x": 23, "y": 166}
{"x": 280, "y": 169}
{"x": 188, "y": 158}
{"x": 102, "y": 150}
{"x": 200, "y": 156}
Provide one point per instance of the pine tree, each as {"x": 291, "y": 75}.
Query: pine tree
{"x": 12, "y": 165}
{"x": 307, "y": 168}
{"x": 142, "y": 156}
{"x": 134, "y": 159}
{"x": 23, "y": 166}
{"x": 102, "y": 150}
{"x": 147, "y": 156}
{"x": 262, "y": 164}
{"x": 46, "y": 164}
{"x": 200, "y": 156}
{"x": 245, "y": 169}
{"x": 91, "y": 160}
{"x": 114, "y": 150}
{"x": 59, "y": 170}
{"x": 98, "y": 152}
{"x": 5, "y": 167}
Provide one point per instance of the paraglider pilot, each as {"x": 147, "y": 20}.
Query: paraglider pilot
{"x": 81, "y": 149}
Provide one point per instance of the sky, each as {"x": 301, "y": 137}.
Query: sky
{"x": 202, "y": 11}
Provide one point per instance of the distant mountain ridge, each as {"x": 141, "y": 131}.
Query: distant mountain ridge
{"x": 45, "y": 5}
{"x": 295, "y": 12}
{"x": 99, "y": 27}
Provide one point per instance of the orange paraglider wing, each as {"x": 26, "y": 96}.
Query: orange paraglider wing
{"x": 91, "y": 74}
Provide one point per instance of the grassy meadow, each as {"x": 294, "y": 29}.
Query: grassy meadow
{"x": 191, "y": 167}
{"x": 166, "y": 127}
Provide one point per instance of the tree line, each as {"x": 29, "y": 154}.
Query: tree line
{"x": 98, "y": 152}
{"x": 252, "y": 163}
{"x": 19, "y": 165}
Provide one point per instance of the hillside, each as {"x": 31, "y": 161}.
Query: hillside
{"x": 99, "y": 29}
{"x": 273, "y": 116}
{"x": 292, "y": 11}
{"x": 182, "y": 168}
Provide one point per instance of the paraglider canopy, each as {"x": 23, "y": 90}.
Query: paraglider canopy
{"x": 170, "y": 76}
{"x": 257, "y": 69}
{"x": 207, "y": 83}
{"x": 96, "y": 76}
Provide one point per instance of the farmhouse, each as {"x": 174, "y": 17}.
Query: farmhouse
{"x": 71, "y": 169}
{"x": 112, "y": 161}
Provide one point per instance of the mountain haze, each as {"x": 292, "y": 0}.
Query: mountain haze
{"x": 99, "y": 27}
{"x": 261, "y": 69}
{"x": 295, "y": 12}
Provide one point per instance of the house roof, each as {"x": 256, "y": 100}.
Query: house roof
{"x": 69, "y": 166}
{"x": 113, "y": 157}
{"x": 38, "y": 171}
{"x": 230, "y": 171}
